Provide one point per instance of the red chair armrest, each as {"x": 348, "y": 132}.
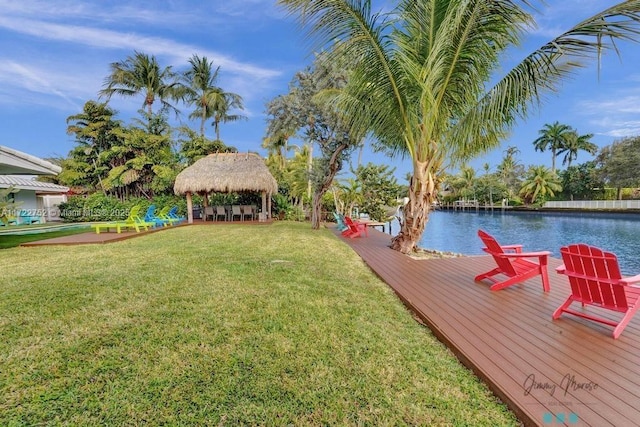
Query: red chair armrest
{"x": 561, "y": 269}
{"x": 539, "y": 254}
{"x": 516, "y": 248}
{"x": 630, "y": 280}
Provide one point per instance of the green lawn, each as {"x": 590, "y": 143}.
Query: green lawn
{"x": 204, "y": 325}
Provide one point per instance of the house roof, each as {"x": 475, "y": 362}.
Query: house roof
{"x": 24, "y": 183}
{"x": 226, "y": 173}
{"x": 14, "y": 162}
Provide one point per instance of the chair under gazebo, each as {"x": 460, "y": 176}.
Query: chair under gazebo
{"x": 227, "y": 173}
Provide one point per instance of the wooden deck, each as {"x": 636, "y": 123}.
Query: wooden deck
{"x": 564, "y": 372}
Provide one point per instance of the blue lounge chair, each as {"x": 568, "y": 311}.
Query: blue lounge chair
{"x": 340, "y": 221}
{"x": 173, "y": 213}
{"x": 151, "y": 217}
{"x": 25, "y": 217}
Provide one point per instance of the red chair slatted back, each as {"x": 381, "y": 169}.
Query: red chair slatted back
{"x": 594, "y": 276}
{"x": 495, "y": 250}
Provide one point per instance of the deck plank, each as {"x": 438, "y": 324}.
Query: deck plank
{"x": 508, "y": 337}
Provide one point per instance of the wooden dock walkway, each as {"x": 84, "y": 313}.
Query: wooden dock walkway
{"x": 564, "y": 372}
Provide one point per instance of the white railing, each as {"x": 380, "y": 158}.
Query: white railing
{"x": 594, "y": 204}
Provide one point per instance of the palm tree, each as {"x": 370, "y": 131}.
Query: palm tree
{"x": 573, "y": 144}
{"x": 210, "y": 100}
{"x": 141, "y": 74}
{"x": 222, "y": 104}
{"x": 421, "y": 74}
{"x": 552, "y": 136}
{"x": 539, "y": 183}
{"x": 200, "y": 84}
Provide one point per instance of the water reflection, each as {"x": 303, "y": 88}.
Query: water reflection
{"x": 456, "y": 232}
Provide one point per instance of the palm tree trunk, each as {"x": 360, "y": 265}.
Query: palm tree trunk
{"x": 416, "y": 212}
{"x": 216, "y": 126}
{"x": 95, "y": 167}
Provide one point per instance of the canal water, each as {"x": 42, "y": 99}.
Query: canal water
{"x": 456, "y": 231}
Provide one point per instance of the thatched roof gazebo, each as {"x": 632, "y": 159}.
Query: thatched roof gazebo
{"x": 227, "y": 173}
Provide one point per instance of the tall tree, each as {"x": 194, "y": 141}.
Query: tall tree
{"x": 554, "y": 137}
{"x": 574, "y": 143}
{"x": 582, "y": 181}
{"x": 307, "y": 109}
{"x": 423, "y": 69}
{"x": 211, "y": 101}
{"x": 619, "y": 162}
{"x": 510, "y": 170}
{"x": 141, "y": 74}
{"x": 94, "y": 130}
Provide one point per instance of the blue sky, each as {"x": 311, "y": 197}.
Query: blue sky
{"x": 56, "y": 55}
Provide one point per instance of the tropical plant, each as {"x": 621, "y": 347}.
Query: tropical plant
{"x": 421, "y": 74}
{"x": 144, "y": 161}
{"x": 297, "y": 176}
{"x": 539, "y": 184}
{"x": 210, "y": 100}
{"x": 464, "y": 183}
{"x": 380, "y": 191}
{"x": 573, "y": 143}
{"x": 94, "y": 129}
{"x": 552, "y": 136}
{"x": 510, "y": 170}
{"x": 194, "y": 146}
{"x": 346, "y": 195}
{"x": 8, "y": 204}
{"x": 141, "y": 74}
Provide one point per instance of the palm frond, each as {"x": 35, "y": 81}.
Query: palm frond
{"x": 480, "y": 128}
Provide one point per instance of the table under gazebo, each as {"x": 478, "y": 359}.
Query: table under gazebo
{"x": 226, "y": 173}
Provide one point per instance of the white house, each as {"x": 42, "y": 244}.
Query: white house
{"x": 38, "y": 199}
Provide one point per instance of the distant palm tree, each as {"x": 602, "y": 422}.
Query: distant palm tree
{"x": 539, "y": 183}
{"x": 200, "y": 81}
{"x": 574, "y": 143}
{"x": 210, "y": 100}
{"x": 508, "y": 169}
{"x": 221, "y": 105}
{"x": 141, "y": 74}
{"x": 552, "y": 136}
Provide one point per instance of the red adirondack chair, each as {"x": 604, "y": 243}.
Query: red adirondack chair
{"x": 513, "y": 263}
{"x": 355, "y": 228}
{"x": 595, "y": 279}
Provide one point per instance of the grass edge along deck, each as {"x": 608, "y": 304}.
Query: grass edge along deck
{"x": 564, "y": 372}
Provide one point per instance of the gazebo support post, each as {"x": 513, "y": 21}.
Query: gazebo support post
{"x": 269, "y": 206}
{"x": 189, "y": 208}
{"x": 205, "y": 205}
{"x": 264, "y": 205}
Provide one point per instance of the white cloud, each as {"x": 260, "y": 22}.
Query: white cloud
{"x": 19, "y": 78}
{"x": 614, "y": 114}
{"x": 109, "y": 39}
